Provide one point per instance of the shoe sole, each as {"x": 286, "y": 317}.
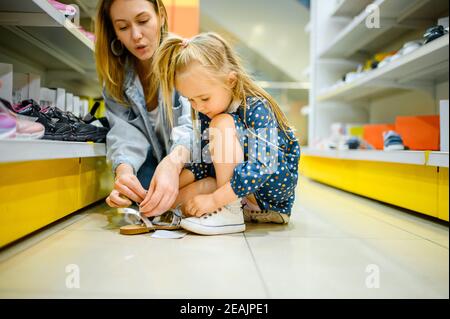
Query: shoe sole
{"x": 211, "y": 230}
{"x": 8, "y": 134}
{"x": 31, "y": 136}
{"x": 394, "y": 148}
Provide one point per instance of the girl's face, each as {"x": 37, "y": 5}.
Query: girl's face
{"x": 208, "y": 95}
{"x": 136, "y": 25}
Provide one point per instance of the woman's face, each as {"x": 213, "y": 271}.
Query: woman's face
{"x": 137, "y": 26}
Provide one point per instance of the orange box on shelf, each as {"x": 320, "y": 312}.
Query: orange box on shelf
{"x": 419, "y": 132}
{"x": 373, "y": 134}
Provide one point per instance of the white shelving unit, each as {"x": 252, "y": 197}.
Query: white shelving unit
{"x": 34, "y": 33}
{"x": 427, "y": 64}
{"x": 401, "y": 157}
{"x": 36, "y": 36}
{"x": 32, "y": 150}
{"x": 349, "y": 8}
{"x": 396, "y": 18}
{"x": 438, "y": 159}
{"x": 340, "y": 40}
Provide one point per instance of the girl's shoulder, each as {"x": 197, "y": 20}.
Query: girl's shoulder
{"x": 257, "y": 113}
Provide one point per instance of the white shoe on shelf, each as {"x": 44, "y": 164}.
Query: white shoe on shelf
{"x": 226, "y": 220}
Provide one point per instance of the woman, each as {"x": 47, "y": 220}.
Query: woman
{"x": 128, "y": 32}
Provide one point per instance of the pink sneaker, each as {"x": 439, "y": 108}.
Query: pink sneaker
{"x": 68, "y": 10}
{"x": 12, "y": 125}
{"x": 7, "y": 126}
{"x": 28, "y": 130}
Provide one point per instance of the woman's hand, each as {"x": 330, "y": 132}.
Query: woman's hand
{"x": 200, "y": 205}
{"x": 163, "y": 189}
{"x": 127, "y": 188}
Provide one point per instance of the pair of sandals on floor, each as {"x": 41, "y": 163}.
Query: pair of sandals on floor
{"x": 170, "y": 220}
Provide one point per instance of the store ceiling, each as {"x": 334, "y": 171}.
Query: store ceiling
{"x": 272, "y": 30}
{"x": 271, "y": 38}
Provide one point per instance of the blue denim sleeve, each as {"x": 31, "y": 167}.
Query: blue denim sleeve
{"x": 125, "y": 144}
{"x": 182, "y": 132}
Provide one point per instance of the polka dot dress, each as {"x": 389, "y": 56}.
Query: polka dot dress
{"x": 271, "y": 156}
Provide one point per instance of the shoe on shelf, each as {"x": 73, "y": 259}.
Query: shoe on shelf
{"x": 7, "y": 126}
{"x": 29, "y": 130}
{"x": 393, "y": 141}
{"x": 82, "y": 132}
{"x": 68, "y": 10}
{"x": 90, "y": 118}
{"x": 433, "y": 33}
{"x": 265, "y": 216}
{"x": 31, "y": 111}
{"x": 226, "y": 220}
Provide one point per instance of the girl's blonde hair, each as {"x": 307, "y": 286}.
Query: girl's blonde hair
{"x": 111, "y": 68}
{"x": 213, "y": 53}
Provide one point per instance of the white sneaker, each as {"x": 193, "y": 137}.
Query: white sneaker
{"x": 265, "y": 216}
{"x": 226, "y": 220}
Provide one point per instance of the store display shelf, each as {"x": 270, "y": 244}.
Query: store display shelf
{"x": 401, "y": 157}
{"x": 394, "y": 16}
{"x": 438, "y": 159}
{"x": 350, "y": 8}
{"x": 418, "y": 69}
{"x": 38, "y": 33}
{"x": 32, "y": 150}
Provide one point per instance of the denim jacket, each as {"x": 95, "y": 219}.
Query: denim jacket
{"x": 132, "y": 136}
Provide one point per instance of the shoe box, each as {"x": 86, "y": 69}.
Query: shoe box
{"x": 373, "y": 134}
{"x": 421, "y": 133}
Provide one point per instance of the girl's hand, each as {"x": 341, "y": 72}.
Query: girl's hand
{"x": 200, "y": 205}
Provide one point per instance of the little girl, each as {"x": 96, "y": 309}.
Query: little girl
{"x": 244, "y": 133}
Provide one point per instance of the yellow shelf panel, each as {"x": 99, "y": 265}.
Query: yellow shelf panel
{"x": 414, "y": 187}
{"x": 36, "y": 193}
{"x": 443, "y": 193}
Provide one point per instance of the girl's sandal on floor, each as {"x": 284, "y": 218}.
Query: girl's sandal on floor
{"x": 170, "y": 220}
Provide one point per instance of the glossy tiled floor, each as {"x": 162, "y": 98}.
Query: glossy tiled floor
{"x": 337, "y": 246}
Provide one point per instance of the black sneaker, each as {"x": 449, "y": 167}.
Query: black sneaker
{"x": 31, "y": 111}
{"x": 90, "y": 117}
{"x": 82, "y": 132}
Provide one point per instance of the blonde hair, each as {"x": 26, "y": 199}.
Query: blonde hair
{"x": 111, "y": 68}
{"x": 213, "y": 53}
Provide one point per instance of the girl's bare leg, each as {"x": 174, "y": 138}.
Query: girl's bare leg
{"x": 189, "y": 188}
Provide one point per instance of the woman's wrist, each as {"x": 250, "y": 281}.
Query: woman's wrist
{"x": 124, "y": 169}
{"x": 179, "y": 156}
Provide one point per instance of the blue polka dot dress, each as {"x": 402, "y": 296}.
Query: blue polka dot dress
{"x": 271, "y": 157}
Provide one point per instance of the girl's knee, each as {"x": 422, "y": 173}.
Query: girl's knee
{"x": 222, "y": 121}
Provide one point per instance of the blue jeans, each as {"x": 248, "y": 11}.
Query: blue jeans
{"x": 147, "y": 170}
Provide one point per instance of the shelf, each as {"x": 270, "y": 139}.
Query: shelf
{"x": 350, "y": 8}
{"x": 419, "y": 69}
{"x": 32, "y": 150}
{"x": 396, "y": 18}
{"x": 438, "y": 159}
{"x": 400, "y": 157}
{"x": 35, "y": 31}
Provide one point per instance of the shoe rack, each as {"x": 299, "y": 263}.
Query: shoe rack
{"x": 44, "y": 181}
{"x": 413, "y": 84}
